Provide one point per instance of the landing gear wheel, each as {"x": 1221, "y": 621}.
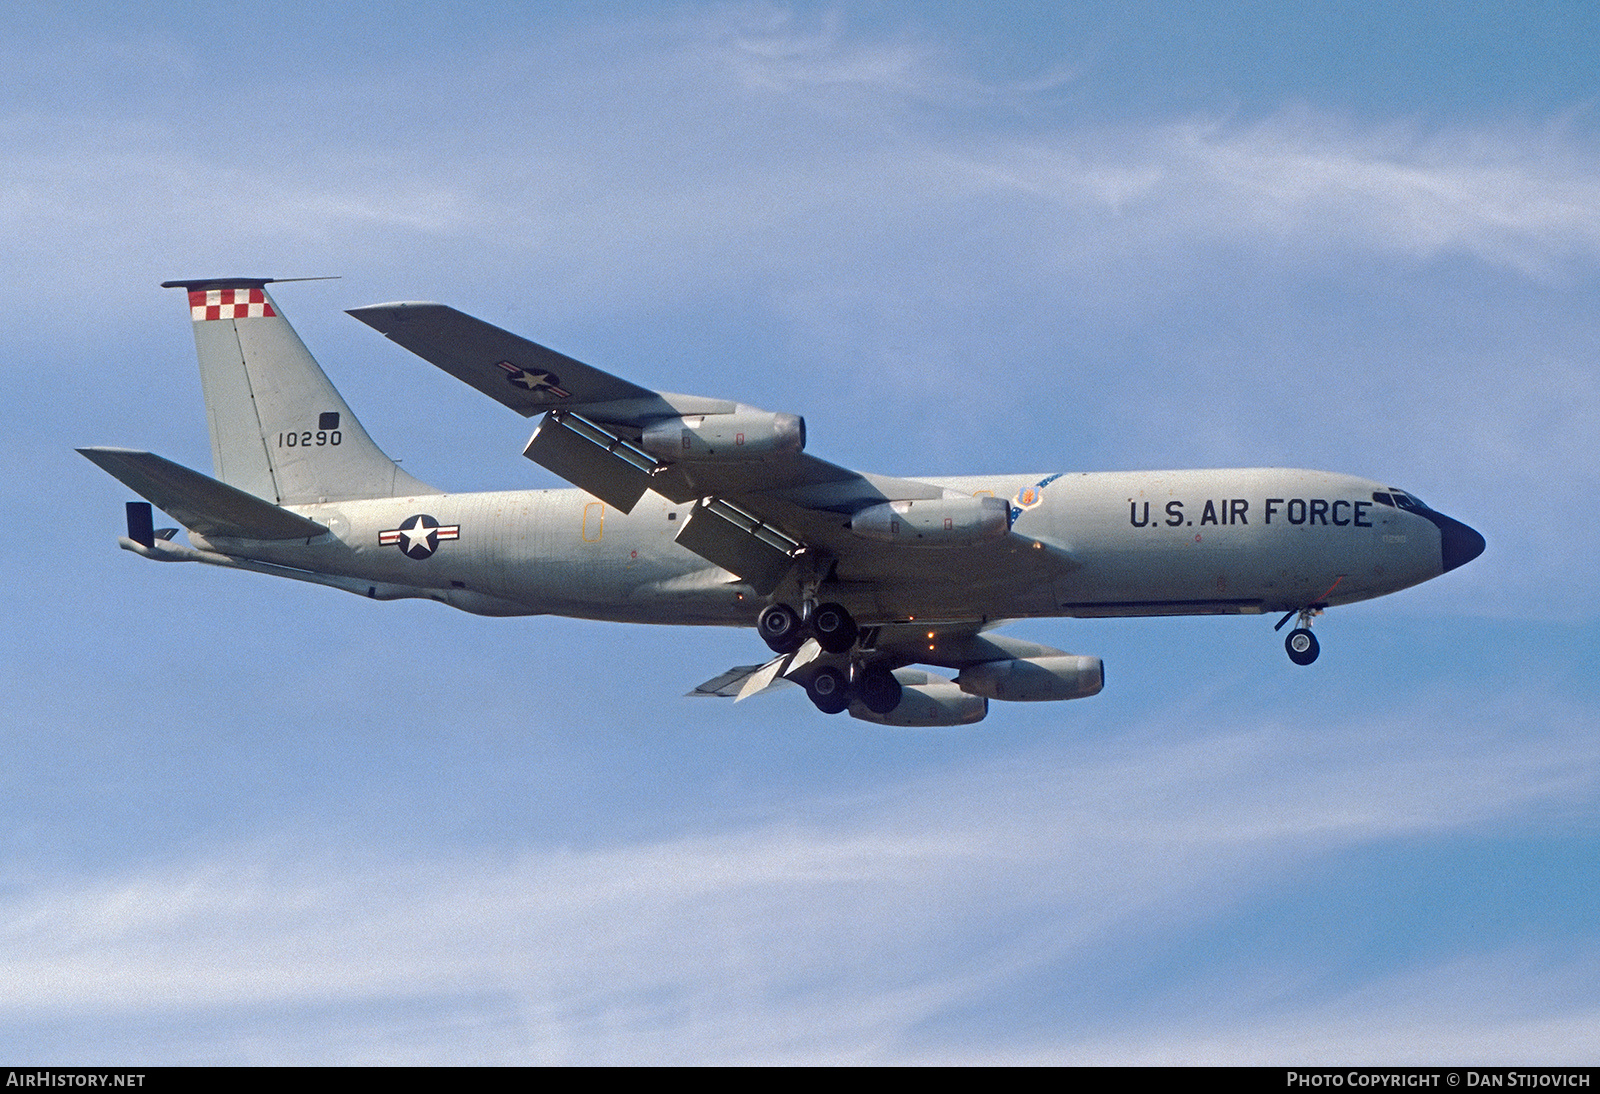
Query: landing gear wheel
{"x": 779, "y": 627}
{"x": 1302, "y": 646}
{"x": 878, "y": 690}
{"x": 835, "y": 630}
{"x": 829, "y": 690}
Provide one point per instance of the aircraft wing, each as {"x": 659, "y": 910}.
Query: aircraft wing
{"x": 533, "y": 379}
{"x": 756, "y": 507}
{"x": 525, "y": 376}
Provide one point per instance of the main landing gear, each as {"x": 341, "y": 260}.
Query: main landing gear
{"x": 835, "y": 630}
{"x": 779, "y": 627}
{"x": 1301, "y": 644}
{"x": 875, "y": 687}
{"x": 783, "y": 630}
{"x": 829, "y": 690}
{"x": 831, "y": 687}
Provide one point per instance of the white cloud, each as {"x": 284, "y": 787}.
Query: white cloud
{"x": 1507, "y": 1008}
{"x": 841, "y": 937}
{"x": 721, "y": 149}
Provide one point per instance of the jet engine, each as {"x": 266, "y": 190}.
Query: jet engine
{"x": 745, "y": 435}
{"x": 1035, "y": 679}
{"x": 926, "y": 700}
{"x": 958, "y": 521}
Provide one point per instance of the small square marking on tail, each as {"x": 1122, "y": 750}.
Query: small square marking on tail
{"x": 229, "y": 304}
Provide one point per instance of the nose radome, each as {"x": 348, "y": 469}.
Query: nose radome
{"x": 1458, "y": 543}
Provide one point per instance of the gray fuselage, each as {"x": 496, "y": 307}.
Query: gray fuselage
{"x": 1115, "y": 544}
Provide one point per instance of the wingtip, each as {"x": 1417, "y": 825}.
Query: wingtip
{"x": 103, "y": 456}
{"x": 393, "y": 312}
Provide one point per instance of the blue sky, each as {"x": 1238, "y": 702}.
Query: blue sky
{"x": 248, "y": 821}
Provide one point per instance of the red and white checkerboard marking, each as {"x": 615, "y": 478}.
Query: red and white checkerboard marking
{"x": 229, "y": 304}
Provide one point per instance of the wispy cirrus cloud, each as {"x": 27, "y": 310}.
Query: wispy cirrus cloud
{"x": 767, "y": 145}
{"x": 843, "y": 936}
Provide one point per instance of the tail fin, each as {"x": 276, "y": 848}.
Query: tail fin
{"x": 279, "y": 430}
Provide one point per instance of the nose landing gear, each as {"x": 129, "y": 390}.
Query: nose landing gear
{"x": 1301, "y": 644}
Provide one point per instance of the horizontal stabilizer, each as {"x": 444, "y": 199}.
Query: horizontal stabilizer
{"x": 200, "y": 503}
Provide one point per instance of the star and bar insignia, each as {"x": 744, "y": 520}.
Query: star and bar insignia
{"x": 419, "y": 537}
{"x": 534, "y": 380}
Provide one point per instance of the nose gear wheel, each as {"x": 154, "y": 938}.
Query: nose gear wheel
{"x": 1302, "y": 645}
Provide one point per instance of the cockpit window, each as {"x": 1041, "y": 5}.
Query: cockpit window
{"x": 1409, "y": 502}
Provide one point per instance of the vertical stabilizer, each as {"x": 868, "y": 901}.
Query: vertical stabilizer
{"x": 279, "y": 429}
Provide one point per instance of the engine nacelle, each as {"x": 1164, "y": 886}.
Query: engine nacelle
{"x": 926, "y": 700}
{"x": 1035, "y": 679}
{"x": 934, "y": 522}
{"x": 745, "y": 435}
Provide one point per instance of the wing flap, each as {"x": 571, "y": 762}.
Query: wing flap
{"x": 199, "y": 502}
{"x": 590, "y": 459}
{"x": 719, "y": 533}
{"x": 741, "y": 682}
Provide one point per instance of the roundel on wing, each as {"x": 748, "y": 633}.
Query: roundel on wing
{"x": 535, "y": 381}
